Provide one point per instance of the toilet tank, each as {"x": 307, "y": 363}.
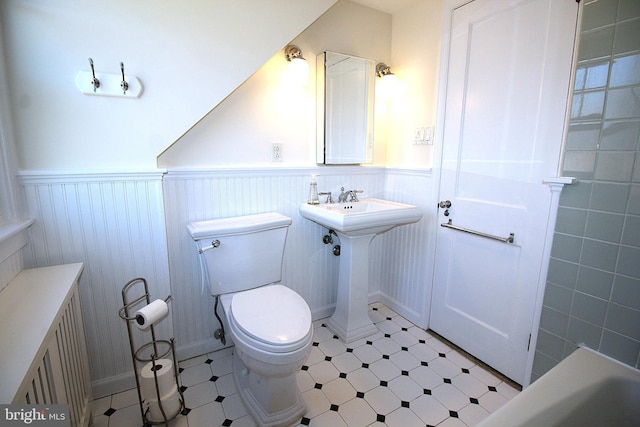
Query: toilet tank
{"x": 249, "y": 253}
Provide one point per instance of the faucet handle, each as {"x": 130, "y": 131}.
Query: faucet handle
{"x": 328, "y": 194}
{"x": 353, "y": 194}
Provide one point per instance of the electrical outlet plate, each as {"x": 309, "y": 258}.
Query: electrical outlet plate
{"x": 276, "y": 151}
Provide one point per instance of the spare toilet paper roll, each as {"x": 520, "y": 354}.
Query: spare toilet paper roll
{"x": 166, "y": 379}
{"x": 170, "y": 404}
{"x": 150, "y": 314}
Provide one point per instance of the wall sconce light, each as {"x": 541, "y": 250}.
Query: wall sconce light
{"x": 388, "y": 84}
{"x": 383, "y": 69}
{"x": 298, "y": 67}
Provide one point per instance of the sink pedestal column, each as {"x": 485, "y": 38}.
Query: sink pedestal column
{"x": 351, "y": 319}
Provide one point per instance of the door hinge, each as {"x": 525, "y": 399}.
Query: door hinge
{"x": 529, "y": 343}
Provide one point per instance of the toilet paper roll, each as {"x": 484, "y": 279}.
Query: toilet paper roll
{"x": 170, "y": 404}
{"x": 152, "y": 313}
{"x": 166, "y": 379}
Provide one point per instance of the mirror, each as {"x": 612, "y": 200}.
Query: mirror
{"x": 345, "y": 93}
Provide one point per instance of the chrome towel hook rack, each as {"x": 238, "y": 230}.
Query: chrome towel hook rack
{"x": 108, "y": 84}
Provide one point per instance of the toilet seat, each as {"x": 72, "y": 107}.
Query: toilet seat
{"x": 274, "y": 318}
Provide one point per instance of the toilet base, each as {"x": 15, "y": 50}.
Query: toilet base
{"x": 271, "y": 401}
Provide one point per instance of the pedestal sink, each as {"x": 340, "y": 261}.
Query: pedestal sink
{"x": 356, "y": 223}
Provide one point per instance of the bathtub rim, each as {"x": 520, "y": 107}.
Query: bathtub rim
{"x": 583, "y": 369}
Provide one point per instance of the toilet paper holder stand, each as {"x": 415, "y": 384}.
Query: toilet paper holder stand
{"x": 150, "y": 352}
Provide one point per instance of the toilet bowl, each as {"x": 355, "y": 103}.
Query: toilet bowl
{"x": 269, "y": 323}
{"x": 272, "y": 331}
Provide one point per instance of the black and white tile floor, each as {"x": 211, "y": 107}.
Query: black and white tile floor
{"x": 402, "y": 376}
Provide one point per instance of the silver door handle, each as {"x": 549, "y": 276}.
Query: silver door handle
{"x": 478, "y": 233}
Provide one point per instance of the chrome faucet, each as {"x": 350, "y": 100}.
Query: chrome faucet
{"x": 342, "y": 197}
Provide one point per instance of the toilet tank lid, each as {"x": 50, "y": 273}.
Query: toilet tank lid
{"x": 237, "y": 225}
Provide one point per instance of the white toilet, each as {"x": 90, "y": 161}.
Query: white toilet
{"x": 269, "y": 323}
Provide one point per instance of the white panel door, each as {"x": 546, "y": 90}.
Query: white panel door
{"x": 507, "y": 84}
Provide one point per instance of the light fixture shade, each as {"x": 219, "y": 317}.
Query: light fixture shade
{"x": 299, "y": 72}
{"x": 388, "y": 83}
{"x": 390, "y": 80}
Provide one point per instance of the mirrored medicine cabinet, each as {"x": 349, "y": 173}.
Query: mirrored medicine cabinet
{"x": 345, "y": 94}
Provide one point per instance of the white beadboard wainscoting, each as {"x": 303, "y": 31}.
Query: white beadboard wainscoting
{"x": 126, "y": 225}
{"x": 403, "y": 257}
{"x": 399, "y": 276}
{"x": 114, "y": 224}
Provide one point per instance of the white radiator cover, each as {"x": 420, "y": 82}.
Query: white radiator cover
{"x": 44, "y": 356}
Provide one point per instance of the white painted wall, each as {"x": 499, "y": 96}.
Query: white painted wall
{"x": 267, "y": 108}
{"x": 189, "y": 56}
{"x": 416, "y": 36}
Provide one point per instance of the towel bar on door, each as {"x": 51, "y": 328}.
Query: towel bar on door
{"x": 478, "y": 233}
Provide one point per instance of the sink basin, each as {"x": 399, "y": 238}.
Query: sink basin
{"x": 368, "y": 216}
